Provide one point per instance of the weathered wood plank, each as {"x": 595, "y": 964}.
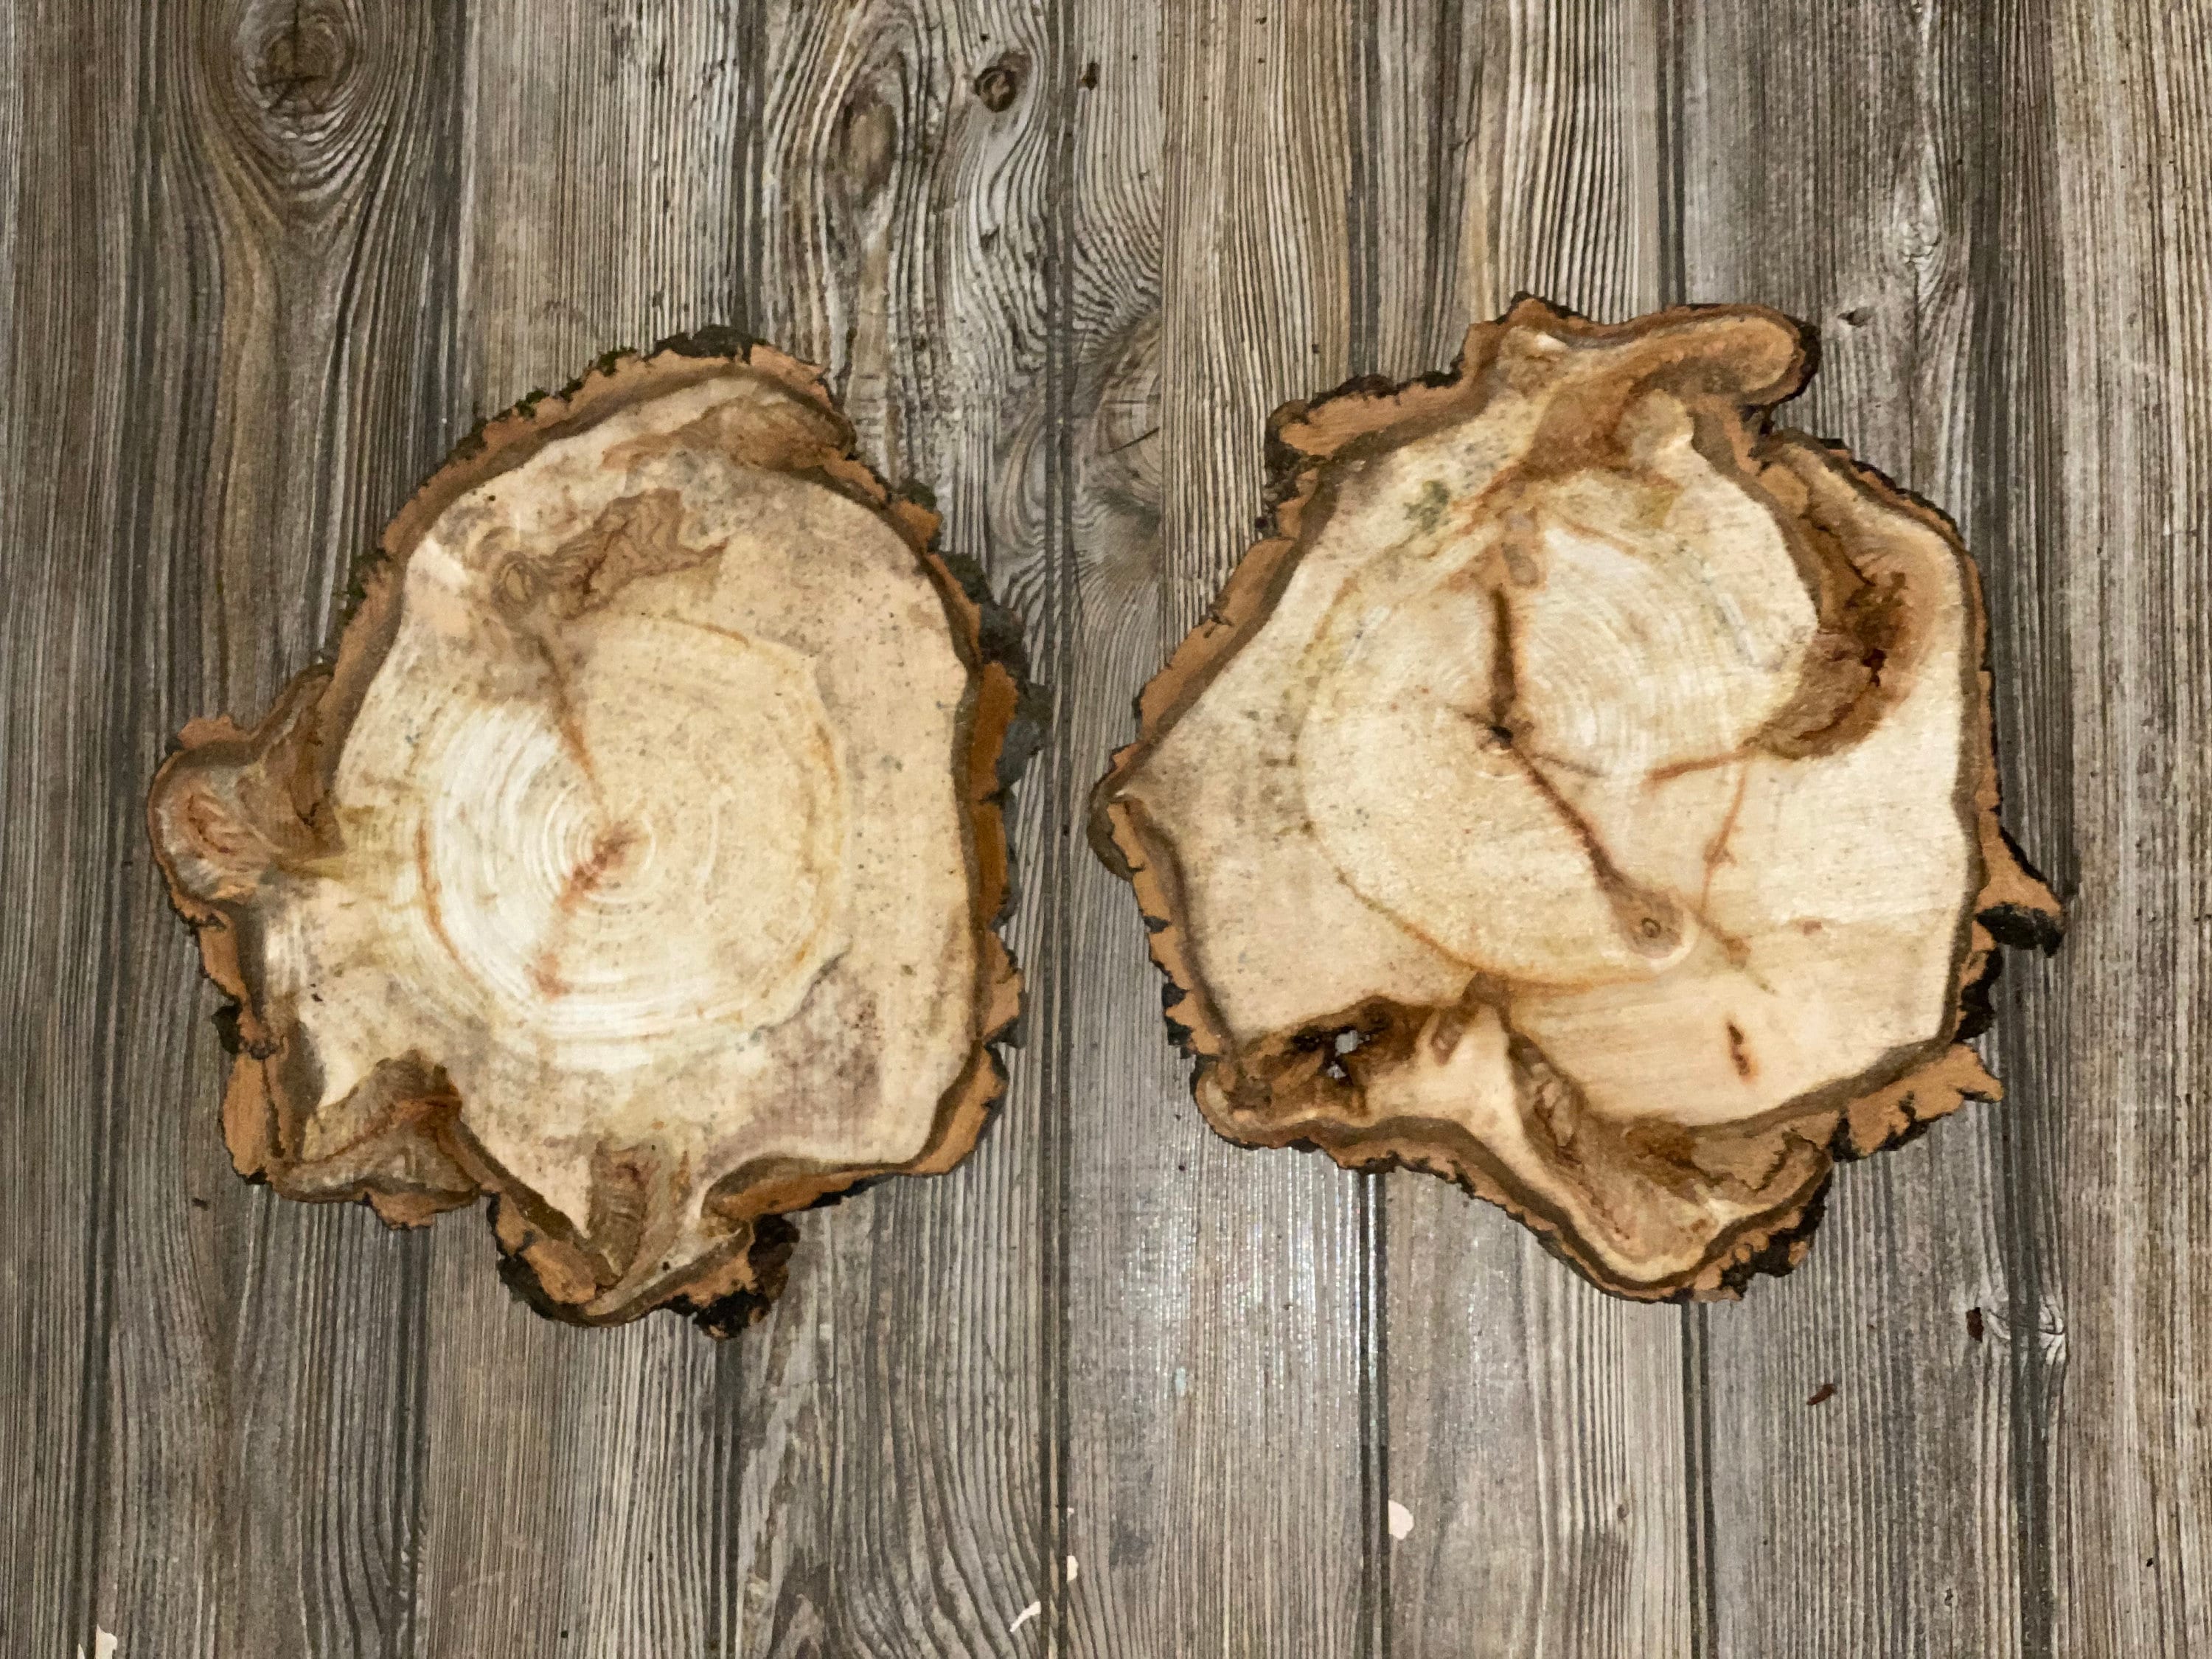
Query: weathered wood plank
{"x": 2018, "y": 444}
{"x": 68, "y": 739}
{"x": 243, "y": 1388}
{"x": 238, "y": 228}
{"x": 898, "y": 1499}
{"x": 562, "y": 1501}
{"x": 261, "y": 1481}
{"x": 1212, "y": 1320}
{"x": 1826, "y": 172}
{"x": 1535, "y": 1427}
{"x": 2120, "y": 1145}
{"x": 1104, "y": 486}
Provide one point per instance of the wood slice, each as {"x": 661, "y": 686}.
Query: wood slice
{"x": 1586, "y": 793}
{"x": 638, "y": 859}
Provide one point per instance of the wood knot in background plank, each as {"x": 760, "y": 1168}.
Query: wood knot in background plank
{"x": 301, "y": 64}
{"x": 864, "y": 144}
{"x": 291, "y": 96}
{"x": 1115, "y": 415}
{"x": 999, "y": 84}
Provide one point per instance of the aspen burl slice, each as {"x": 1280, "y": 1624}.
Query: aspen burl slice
{"x": 1587, "y": 794}
{"x": 637, "y": 859}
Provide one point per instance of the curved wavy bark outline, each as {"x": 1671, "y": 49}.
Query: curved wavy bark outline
{"x": 1586, "y": 793}
{"x": 639, "y": 858}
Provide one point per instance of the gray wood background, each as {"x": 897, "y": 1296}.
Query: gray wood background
{"x": 264, "y": 260}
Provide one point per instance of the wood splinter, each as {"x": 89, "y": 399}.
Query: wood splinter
{"x": 637, "y": 859}
{"x": 1587, "y": 794}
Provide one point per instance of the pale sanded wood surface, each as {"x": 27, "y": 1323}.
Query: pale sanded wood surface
{"x": 266, "y": 262}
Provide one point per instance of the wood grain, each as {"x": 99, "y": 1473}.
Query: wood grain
{"x": 308, "y": 161}
{"x": 1214, "y": 1396}
{"x": 2117, "y": 1153}
{"x": 601, "y": 150}
{"x": 71, "y": 734}
{"x": 248, "y": 1366}
{"x": 903, "y": 178}
{"x": 1094, "y": 479}
{"x": 1535, "y": 1427}
{"x": 1898, "y": 1480}
{"x": 266, "y": 262}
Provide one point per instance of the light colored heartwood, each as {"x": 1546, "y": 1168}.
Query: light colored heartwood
{"x": 1587, "y": 798}
{"x": 647, "y": 815}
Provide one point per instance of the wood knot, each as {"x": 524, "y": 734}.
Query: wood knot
{"x": 865, "y": 142}
{"x": 299, "y": 65}
{"x": 999, "y": 84}
{"x": 1123, "y": 449}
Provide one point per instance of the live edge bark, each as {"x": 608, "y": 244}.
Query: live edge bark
{"x": 1586, "y": 793}
{"x": 637, "y": 860}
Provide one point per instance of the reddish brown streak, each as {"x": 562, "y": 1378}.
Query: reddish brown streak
{"x": 1505, "y": 669}
{"x": 544, "y": 975}
{"x": 1674, "y": 769}
{"x": 1717, "y": 848}
{"x": 586, "y": 876}
{"x": 564, "y": 709}
{"x": 433, "y": 894}
{"x": 1746, "y": 1068}
{"x": 1649, "y": 913}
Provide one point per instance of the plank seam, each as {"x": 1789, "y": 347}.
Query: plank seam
{"x": 742, "y": 248}
{"x": 1055, "y": 1130}
{"x": 440, "y": 405}
{"x": 1365, "y": 80}
{"x": 1697, "y": 1401}
{"x": 93, "y": 1440}
{"x": 2024, "y": 1195}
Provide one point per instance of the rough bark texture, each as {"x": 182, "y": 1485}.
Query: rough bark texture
{"x": 1586, "y": 793}
{"x": 636, "y": 861}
